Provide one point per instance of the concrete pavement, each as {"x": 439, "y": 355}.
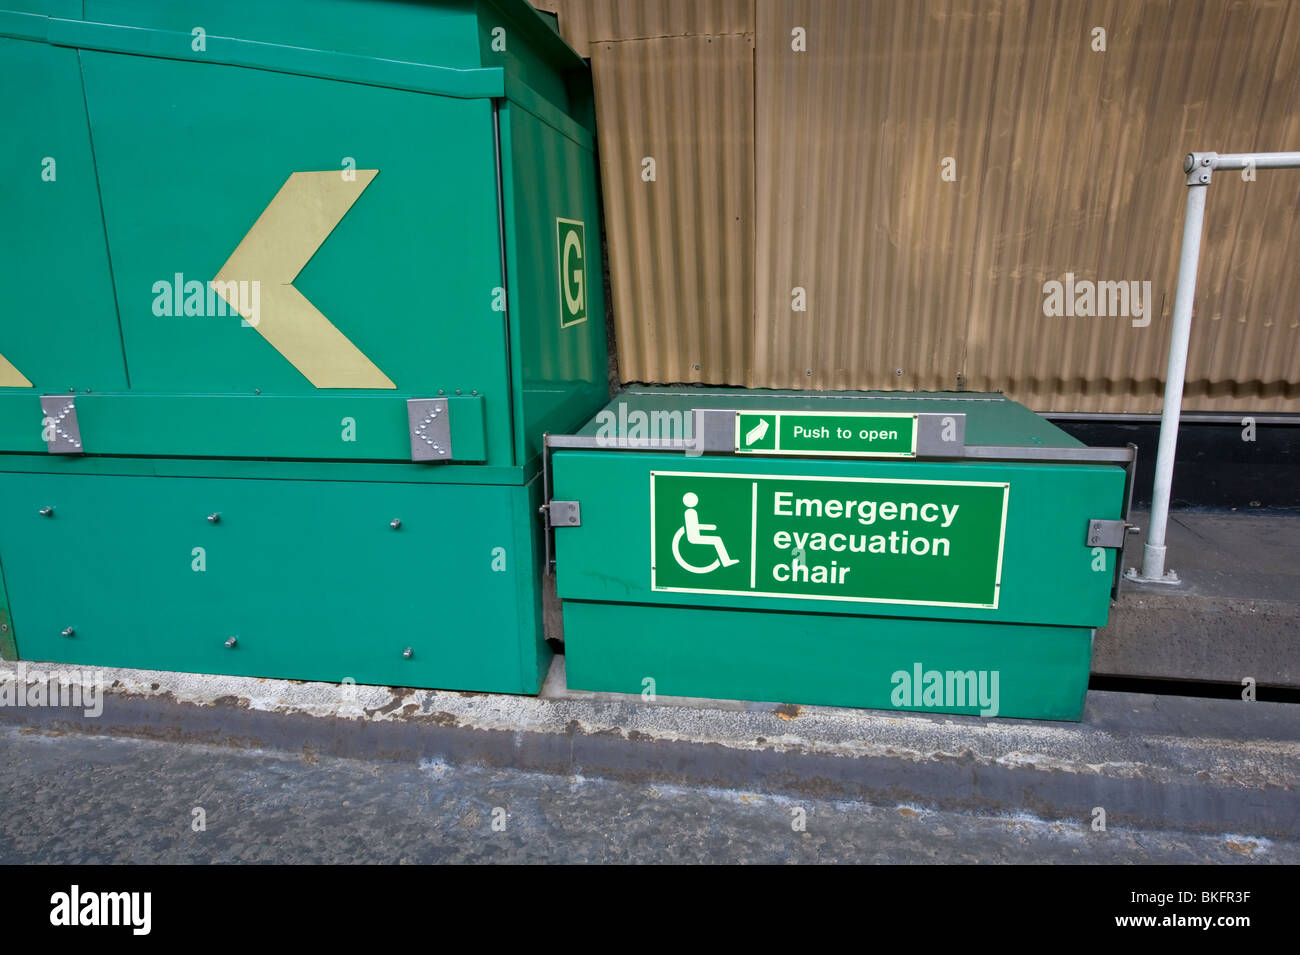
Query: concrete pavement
{"x": 291, "y": 771}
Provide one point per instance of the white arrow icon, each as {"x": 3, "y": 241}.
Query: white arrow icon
{"x": 756, "y": 433}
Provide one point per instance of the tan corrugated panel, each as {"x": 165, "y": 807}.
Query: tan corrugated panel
{"x": 1066, "y": 160}
{"x": 583, "y": 22}
{"x": 681, "y": 248}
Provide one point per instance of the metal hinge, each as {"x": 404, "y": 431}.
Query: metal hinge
{"x": 562, "y": 514}
{"x": 1109, "y": 533}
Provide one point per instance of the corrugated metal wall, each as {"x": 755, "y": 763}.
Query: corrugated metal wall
{"x": 680, "y": 231}
{"x": 821, "y": 170}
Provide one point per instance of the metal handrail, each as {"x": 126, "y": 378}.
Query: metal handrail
{"x": 1199, "y": 168}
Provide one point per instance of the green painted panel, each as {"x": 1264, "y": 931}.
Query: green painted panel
{"x": 408, "y": 275}
{"x": 58, "y": 326}
{"x": 442, "y": 33}
{"x": 229, "y": 51}
{"x": 515, "y": 38}
{"x": 308, "y": 576}
{"x": 1048, "y": 576}
{"x": 268, "y": 469}
{"x": 1024, "y": 671}
{"x": 558, "y": 359}
{"x": 331, "y": 427}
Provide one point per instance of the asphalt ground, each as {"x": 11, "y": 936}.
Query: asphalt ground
{"x": 74, "y": 799}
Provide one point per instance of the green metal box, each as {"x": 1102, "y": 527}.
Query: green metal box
{"x": 312, "y": 269}
{"x": 939, "y": 552}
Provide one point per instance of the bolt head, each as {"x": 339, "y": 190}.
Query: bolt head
{"x": 395, "y": 524}
{"x": 232, "y": 641}
{"x": 214, "y": 518}
{"x": 69, "y": 632}
{"x": 408, "y": 653}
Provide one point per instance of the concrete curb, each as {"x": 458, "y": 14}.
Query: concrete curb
{"x": 1193, "y": 637}
{"x": 1211, "y": 766}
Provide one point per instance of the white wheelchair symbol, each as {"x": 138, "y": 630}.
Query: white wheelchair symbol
{"x": 693, "y": 531}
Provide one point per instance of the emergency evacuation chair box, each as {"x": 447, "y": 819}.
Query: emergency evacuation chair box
{"x": 938, "y": 552}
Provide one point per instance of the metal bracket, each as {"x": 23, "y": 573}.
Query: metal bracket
{"x": 563, "y": 514}
{"x": 1199, "y": 168}
{"x": 430, "y": 426}
{"x": 1105, "y": 533}
{"x": 59, "y": 421}
{"x": 715, "y": 430}
{"x": 940, "y": 435}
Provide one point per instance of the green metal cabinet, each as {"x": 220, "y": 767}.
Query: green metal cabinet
{"x": 962, "y": 579}
{"x": 313, "y": 267}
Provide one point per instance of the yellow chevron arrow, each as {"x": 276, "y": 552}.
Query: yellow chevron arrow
{"x": 11, "y": 377}
{"x": 282, "y": 241}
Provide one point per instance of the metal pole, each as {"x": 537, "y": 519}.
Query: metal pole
{"x": 1200, "y": 169}
{"x": 1153, "y": 553}
{"x": 1255, "y": 160}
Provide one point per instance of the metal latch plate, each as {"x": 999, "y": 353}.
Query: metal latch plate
{"x": 430, "y": 424}
{"x": 1106, "y": 533}
{"x": 564, "y": 514}
{"x": 59, "y": 425}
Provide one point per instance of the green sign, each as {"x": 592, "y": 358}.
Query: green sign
{"x": 571, "y": 244}
{"x": 859, "y": 539}
{"x": 826, "y": 433}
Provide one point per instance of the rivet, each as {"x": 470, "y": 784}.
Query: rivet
{"x": 47, "y": 511}
{"x": 231, "y": 642}
{"x": 898, "y": 371}
{"x": 457, "y": 391}
{"x": 408, "y": 653}
{"x": 214, "y": 517}
{"x": 69, "y": 632}
{"x": 395, "y": 524}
